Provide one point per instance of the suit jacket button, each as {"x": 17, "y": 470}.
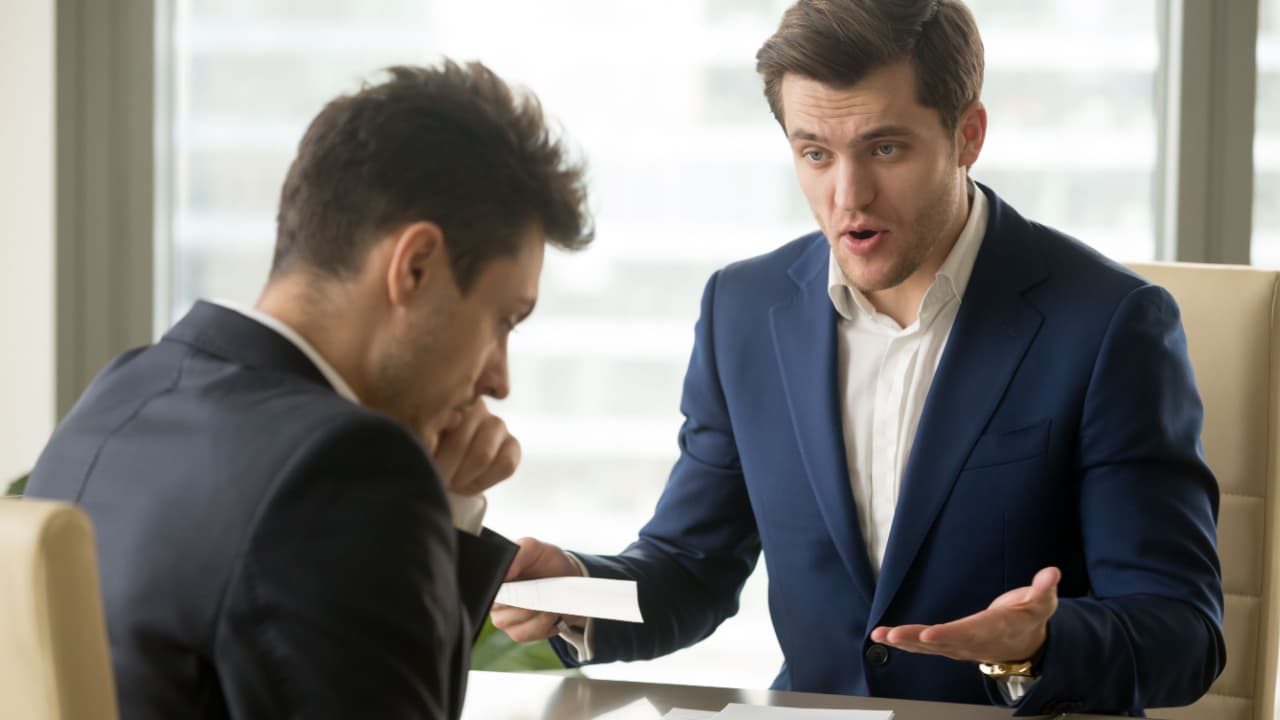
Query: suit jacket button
{"x": 877, "y": 654}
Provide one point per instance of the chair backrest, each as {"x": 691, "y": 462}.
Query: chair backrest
{"x": 1230, "y": 317}
{"x": 54, "y": 662}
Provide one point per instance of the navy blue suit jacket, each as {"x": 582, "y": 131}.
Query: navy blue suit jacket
{"x": 1062, "y": 428}
{"x": 267, "y": 548}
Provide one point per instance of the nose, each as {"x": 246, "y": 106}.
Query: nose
{"x": 494, "y": 380}
{"x": 855, "y": 186}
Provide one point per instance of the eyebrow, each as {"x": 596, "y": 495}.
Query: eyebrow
{"x": 872, "y": 134}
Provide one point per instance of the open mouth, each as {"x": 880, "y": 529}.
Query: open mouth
{"x": 862, "y": 234}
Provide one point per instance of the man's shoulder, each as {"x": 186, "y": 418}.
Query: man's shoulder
{"x": 780, "y": 269}
{"x": 292, "y": 416}
{"x": 1071, "y": 265}
{"x": 170, "y": 401}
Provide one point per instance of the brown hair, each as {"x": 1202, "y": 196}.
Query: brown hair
{"x": 838, "y": 42}
{"x": 450, "y": 144}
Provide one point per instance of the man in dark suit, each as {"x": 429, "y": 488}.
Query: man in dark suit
{"x": 967, "y": 444}
{"x": 274, "y": 539}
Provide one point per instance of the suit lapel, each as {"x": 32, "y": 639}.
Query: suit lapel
{"x": 993, "y": 329}
{"x": 805, "y": 341}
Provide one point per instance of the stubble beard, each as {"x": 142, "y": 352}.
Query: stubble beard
{"x": 922, "y": 236}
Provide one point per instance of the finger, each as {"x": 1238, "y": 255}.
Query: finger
{"x": 909, "y": 638}
{"x": 502, "y": 466}
{"x": 505, "y": 616}
{"x": 480, "y": 454}
{"x": 524, "y": 625}
{"x": 905, "y": 634}
{"x": 540, "y": 626}
{"x": 1046, "y": 581}
{"x": 453, "y": 443}
{"x": 536, "y": 559}
{"x": 995, "y": 634}
{"x": 431, "y": 441}
{"x": 1042, "y": 592}
{"x": 529, "y": 548}
{"x": 960, "y": 633}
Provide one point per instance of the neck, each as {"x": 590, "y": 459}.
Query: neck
{"x": 324, "y": 313}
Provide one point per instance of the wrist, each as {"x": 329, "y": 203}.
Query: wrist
{"x": 1027, "y": 667}
{"x": 578, "y": 568}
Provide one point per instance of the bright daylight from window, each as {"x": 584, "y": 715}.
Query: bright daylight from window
{"x": 689, "y": 171}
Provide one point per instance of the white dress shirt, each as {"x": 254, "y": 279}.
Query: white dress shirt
{"x": 885, "y": 373}
{"x": 468, "y": 510}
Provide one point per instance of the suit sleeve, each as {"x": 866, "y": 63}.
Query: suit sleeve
{"x": 1150, "y": 632}
{"x": 346, "y": 600}
{"x": 694, "y": 555}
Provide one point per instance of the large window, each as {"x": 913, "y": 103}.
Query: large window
{"x": 1266, "y": 140}
{"x": 1071, "y": 96}
{"x": 689, "y": 171}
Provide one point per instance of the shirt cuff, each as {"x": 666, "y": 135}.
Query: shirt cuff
{"x": 468, "y": 512}
{"x": 1014, "y": 688}
{"x": 579, "y": 639}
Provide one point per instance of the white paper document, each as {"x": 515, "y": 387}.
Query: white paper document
{"x": 736, "y": 711}
{"x": 589, "y": 597}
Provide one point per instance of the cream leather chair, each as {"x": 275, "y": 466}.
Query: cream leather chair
{"x": 54, "y": 663}
{"x": 1231, "y": 320}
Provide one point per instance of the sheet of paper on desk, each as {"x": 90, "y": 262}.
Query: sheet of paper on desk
{"x": 736, "y": 711}
{"x": 639, "y": 710}
{"x": 589, "y": 597}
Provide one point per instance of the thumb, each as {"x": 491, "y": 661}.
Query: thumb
{"x": 1044, "y": 586}
{"x": 1047, "y": 579}
{"x": 526, "y": 557}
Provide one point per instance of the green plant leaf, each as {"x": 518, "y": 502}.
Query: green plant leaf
{"x": 495, "y": 650}
{"x": 18, "y": 486}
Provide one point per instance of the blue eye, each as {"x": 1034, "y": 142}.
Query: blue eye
{"x": 886, "y": 149}
{"x": 813, "y": 155}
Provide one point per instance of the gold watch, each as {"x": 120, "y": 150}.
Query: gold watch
{"x": 1020, "y": 668}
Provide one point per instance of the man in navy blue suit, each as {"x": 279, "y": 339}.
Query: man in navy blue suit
{"x": 967, "y": 444}
{"x": 285, "y": 497}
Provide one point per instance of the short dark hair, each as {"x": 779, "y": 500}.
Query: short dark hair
{"x": 451, "y": 144}
{"x": 838, "y": 42}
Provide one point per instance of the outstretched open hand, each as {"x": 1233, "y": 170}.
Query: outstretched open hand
{"x": 1012, "y": 628}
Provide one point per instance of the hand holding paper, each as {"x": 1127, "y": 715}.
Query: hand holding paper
{"x": 536, "y": 560}
{"x": 587, "y": 597}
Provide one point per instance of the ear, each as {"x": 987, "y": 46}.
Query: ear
{"x": 417, "y": 256}
{"x": 971, "y": 132}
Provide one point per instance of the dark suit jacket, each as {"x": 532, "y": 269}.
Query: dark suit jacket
{"x": 1062, "y": 428}
{"x": 267, "y": 548}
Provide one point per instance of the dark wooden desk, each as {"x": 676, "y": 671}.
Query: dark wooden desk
{"x": 529, "y": 696}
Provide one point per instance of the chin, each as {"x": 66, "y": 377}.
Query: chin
{"x": 866, "y": 279}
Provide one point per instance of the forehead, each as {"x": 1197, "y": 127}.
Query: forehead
{"x": 886, "y": 96}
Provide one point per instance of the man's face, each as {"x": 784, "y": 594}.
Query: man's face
{"x": 884, "y": 178}
{"x": 451, "y": 348}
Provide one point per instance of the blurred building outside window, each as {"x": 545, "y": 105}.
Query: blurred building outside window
{"x": 689, "y": 171}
